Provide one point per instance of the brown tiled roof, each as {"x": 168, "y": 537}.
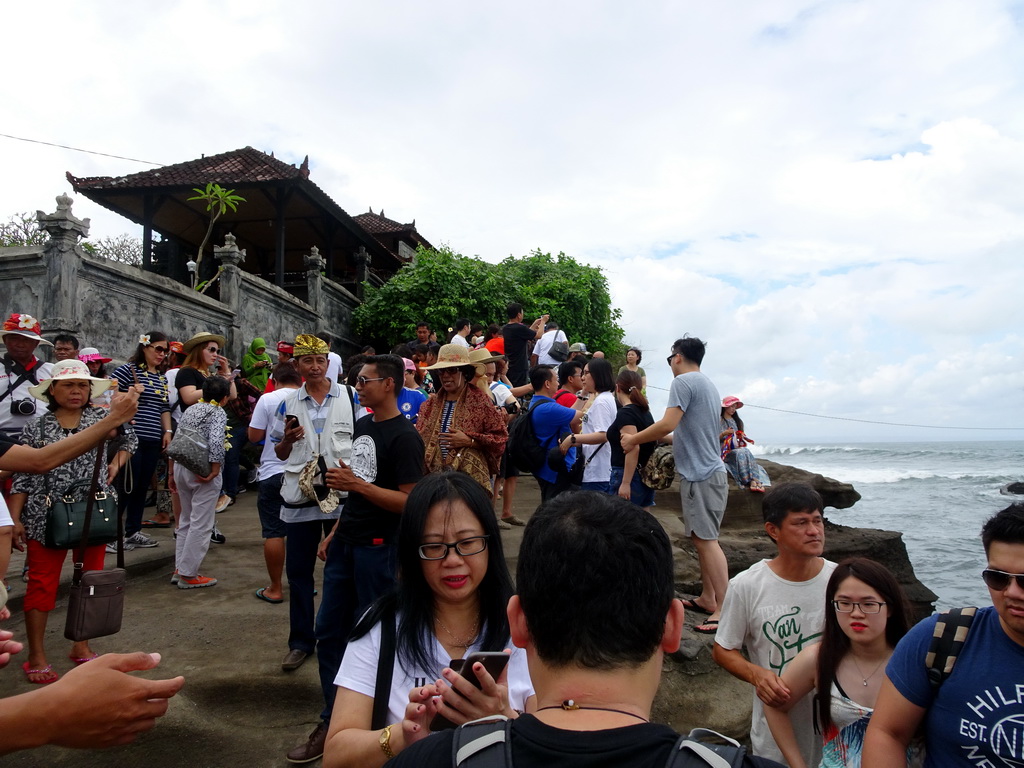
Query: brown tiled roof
{"x": 377, "y": 223}
{"x": 240, "y": 166}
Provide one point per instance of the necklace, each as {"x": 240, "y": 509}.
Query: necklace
{"x": 456, "y": 643}
{"x": 859, "y": 672}
{"x": 570, "y": 706}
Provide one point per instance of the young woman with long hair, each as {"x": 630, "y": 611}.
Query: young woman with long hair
{"x": 633, "y": 416}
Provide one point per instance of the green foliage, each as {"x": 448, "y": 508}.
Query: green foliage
{"x": 21, "y": 229}
{"x": 218, "y": 202}
{"x": 442, "y": 286}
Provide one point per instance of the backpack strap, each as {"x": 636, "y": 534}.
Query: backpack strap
{"x": 948, "y": 640}
{"x": 477, "y": 744}
{"x": 690, "y": 752}
{"x": 385, "y": 671}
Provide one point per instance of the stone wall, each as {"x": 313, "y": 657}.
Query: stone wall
{"x": 108, "y": 305}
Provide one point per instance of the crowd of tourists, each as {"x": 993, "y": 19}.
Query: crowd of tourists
{"x": 399, "y": 471}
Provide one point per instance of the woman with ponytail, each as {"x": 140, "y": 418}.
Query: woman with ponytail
{"x": 634, "y": 416}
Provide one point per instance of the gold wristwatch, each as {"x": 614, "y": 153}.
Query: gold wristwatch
{"x": 385, "y": 742}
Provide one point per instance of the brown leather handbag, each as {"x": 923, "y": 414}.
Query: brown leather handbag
{"x": 96, "y": 602}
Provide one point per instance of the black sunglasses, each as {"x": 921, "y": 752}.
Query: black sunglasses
{"x": 1000, "y": 580}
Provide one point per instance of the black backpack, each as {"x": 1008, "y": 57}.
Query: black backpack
{"x": 524, "y": 449}
{"x": 487, "y": 743}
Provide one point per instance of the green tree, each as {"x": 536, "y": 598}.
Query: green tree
{"x": 21, "y": 229}
{"x": 218, "y": 202}
{"x": 442, "y": 286}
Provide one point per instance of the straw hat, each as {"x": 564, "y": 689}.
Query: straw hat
{"x": 92, "y": 355}
{"x": 451, "y": 356}
{"x": 70, "y": 370}
{"x": 483, "y": 356}
{"x": 202, "y": 338}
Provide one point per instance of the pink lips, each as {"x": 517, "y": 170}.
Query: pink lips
{"x": 456, "y": 582}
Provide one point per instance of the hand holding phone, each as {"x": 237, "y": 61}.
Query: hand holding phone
{"x": 466, "y": 702}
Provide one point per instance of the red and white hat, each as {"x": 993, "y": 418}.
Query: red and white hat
{"x": 21, "y": 324}
{"x": 732, "y": 400}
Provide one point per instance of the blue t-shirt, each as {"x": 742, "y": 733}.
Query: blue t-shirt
{"x": 977, "y": 718}
{"x": 409, "y": 402}
{"x": 551, "y": 421}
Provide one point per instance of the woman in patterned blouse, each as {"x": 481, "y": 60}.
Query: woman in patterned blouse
{"x": 67, "y": 394}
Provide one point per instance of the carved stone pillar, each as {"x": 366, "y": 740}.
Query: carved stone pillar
{"x": 363, "y": 260}
{"x": 315, "y": 264}
{"x": 62, "y": 257}
{"x": 230, "y": 256}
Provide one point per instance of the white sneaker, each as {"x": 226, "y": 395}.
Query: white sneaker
{"x": 112, "y": 547}
{"x": 140, "y": 540}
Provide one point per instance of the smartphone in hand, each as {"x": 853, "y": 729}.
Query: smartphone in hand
{"x": 494, "y": 662}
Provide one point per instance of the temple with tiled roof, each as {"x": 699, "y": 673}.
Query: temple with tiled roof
{"x": 284, "y": 215}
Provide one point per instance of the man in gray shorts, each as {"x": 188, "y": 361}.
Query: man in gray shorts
{"x": 692, "y": 416}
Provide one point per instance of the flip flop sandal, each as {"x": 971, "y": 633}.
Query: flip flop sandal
{"x": 80, "y": 660}
{"x": 260, "y": 594}
{"x": 693, "y": 605}
{"x": 155, "y": 524}
{"x": 707, "y": 628}
{"x": 47, "y": 670}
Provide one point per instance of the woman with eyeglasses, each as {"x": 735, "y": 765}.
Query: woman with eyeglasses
{"x": 450, "y": 601}
{"x": 866, "y": 615}
{"x": 152, "y": 425}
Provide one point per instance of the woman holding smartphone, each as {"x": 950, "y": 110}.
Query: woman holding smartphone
{"x": 449, "y": 603}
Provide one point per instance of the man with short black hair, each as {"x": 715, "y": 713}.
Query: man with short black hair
{"x": 422, "y": 334}
{"x": 774, "y": 609}
{"x": 570, "y": 382}
{"x": 65, "y": 347}
{"x": 972, "y": 718}
{"x": 551, "y": 422}
{"x": 517, "y": 338}
{"x": 693, "y": 416}
{"x": 462, "y": 328}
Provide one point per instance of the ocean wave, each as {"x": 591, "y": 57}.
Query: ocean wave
{"x": 884, "y": 475}
{"x": 955, "y": 452}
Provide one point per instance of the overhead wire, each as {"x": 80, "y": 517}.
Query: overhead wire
{"x": 78, "y": 149}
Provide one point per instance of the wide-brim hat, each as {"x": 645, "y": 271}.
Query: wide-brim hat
{"x": 730, "y": 401}
{"x": 202, "y": 338}
{"x": 67, "y": 370}
{"x": 483, "y": 356}
{"x": 21, "y": 324}
{"x": 92, "y": 355}
{"x": 451, "y": 356}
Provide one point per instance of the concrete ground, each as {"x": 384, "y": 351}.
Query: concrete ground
{"x": 237, "y": 706}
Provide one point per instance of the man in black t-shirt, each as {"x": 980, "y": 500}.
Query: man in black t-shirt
{"x": 595, "y": 672}
{"x": 361, "y": 553}
{"x": 517, "y": 338}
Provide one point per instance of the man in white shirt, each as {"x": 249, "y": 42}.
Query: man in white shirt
{"x": 542, "y": 349}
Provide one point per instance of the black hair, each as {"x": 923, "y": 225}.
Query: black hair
{"x": 216, "y": 388}
{"x": 138, "y": 356}
{"x": 595, "y": 580}
{"x": 639, "y": 354}
{"x": 736, "y": 418}
{"x": 513, "y": 310}
{"x": 568, "y": 369}
{"x": 834, "y": 642}
{"x": 286, "y": 373}
{"x": 369, "y": 350}
{"x": 691, "y": 348}
{"x": 66, "y": 338}
{"x": 631, "y": 384}
{"x": 51, "y": 401}
{"x": 468, "y": 373}
{"x": 493, "y": 331}
{"x": 389, "y": 367}
{"x": 423, "y": 324}
{"x": 402, "y": 350}
{"x": 413, "y": 598}
{"x": 462, "y": 322}
{"x": 1006, "y": 526}
{"x": 790, "y": 497}
{"x": 540, "y": 375}
{"x": 353, "y": 371}
{"x": 601, "y": 373}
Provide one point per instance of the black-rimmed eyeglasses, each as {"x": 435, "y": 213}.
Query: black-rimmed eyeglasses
{"x": 671, "y": 357}
{"x": 1000, "y": 580}
{"x": 865, "y": 606}
{"x": 362, "y": 380}
{"x": 474, "y": 545}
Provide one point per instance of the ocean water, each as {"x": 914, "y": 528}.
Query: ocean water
{"x": 937, "y": 495}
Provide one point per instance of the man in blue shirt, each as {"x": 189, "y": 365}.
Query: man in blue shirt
{"x": 551, "y": 422}
{"x": 976, "y": 716}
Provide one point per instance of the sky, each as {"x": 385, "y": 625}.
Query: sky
{"x": 831, "y": 194}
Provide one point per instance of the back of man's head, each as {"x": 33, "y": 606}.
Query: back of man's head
{"x": 789, "y": 497}
{"x": 1005, "y": 526}
{"x": 691, "y": 348}
{"x": 595, "y": 581}
{"x": 513, "y": 310}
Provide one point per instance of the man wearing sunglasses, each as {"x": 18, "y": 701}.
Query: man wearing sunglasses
{"x": 976, "y": 716}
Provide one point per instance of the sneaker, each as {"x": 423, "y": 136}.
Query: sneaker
{"x": 140, "y": 540}
{"x": 217, "y": 537}
{"x": 312, "y": 749}
{"x": 175, "y": 578}
{"x": 196, "y": 583}
{"x": 223, "y": 503}
{"x": 253, "y": 476}
{"x": 241, "y": 489}
{"x": 112, "y": 547}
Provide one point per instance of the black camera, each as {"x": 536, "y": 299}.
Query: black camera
{"x": 23, "y": 407}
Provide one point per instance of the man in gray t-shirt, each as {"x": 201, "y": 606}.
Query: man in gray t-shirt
{"x": 692, "y": 416}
